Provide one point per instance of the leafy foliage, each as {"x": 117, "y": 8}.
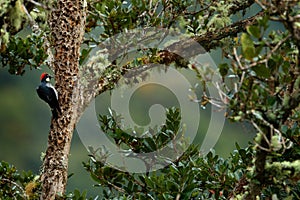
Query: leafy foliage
{"x": 22, "y": 53}
{"x": 191, "y": 176}
{"x": 108, "y": 18}
{"x": 16, "y": 185}
{"x": 265, "y": 63}
{"x": 194, "y": 176}
{"x": 268, "y": 97}
{"x": 21, "y": 46}
{"x": 152, "y": 139}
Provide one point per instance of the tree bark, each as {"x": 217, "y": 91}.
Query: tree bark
{"x": 67, "y": 23}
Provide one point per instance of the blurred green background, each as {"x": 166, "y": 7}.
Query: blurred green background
{"x": 25, "y": 120}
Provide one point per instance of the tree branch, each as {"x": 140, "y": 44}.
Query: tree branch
{"x": 241, "y": 6}
{"x": 209, "y": 41}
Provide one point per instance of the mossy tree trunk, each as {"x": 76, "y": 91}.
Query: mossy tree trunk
{"x": 67, "y": 22}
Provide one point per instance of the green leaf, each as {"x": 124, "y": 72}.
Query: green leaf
{"x": 150, "y": 144}
{"x": 223, "y": 69}
{"x": 263, "y": 21}
{"x": 237, "y": 146}
{"x": 95, "y": 178}
{"x": 254, "y": 31}
{"x": 262, "y": 71}
{"x": 247, "y": 46}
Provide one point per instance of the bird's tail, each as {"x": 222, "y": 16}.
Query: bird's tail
{"x": 55, "y": 112}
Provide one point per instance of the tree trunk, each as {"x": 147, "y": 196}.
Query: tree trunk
{"x": 67, "y": 23}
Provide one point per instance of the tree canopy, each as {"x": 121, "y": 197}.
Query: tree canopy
{"x": 80, "y": 42}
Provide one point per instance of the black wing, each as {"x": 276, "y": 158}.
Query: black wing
{"x": 48, "y": 95}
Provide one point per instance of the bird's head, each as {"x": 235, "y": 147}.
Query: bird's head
{"x": 45, "y": 77}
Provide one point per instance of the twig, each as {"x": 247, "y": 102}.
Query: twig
{"x": 261, "y": 5}
{"x": 28, "y": 15}
{"x": 269, "y": 54}
{"x": 224, "y": 97}
{"x": 40, "y": 5}
{"x": 260, "y": 131}
{"x": 36, "y": 30}
{"x": 17, "y": 185}
{"x": 116, "y": 187}
{"x": 237, "y": 59}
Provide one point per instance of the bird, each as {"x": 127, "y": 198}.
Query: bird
{"x": 49, "y": 94}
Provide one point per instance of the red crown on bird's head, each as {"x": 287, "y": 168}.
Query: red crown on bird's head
{"x": 43, "y": 75}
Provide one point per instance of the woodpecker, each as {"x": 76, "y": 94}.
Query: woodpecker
{"x": 48, "y": 93}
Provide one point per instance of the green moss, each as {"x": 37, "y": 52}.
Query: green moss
{"x": 17, "y": 14}
{"x": 285, "y": 168}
